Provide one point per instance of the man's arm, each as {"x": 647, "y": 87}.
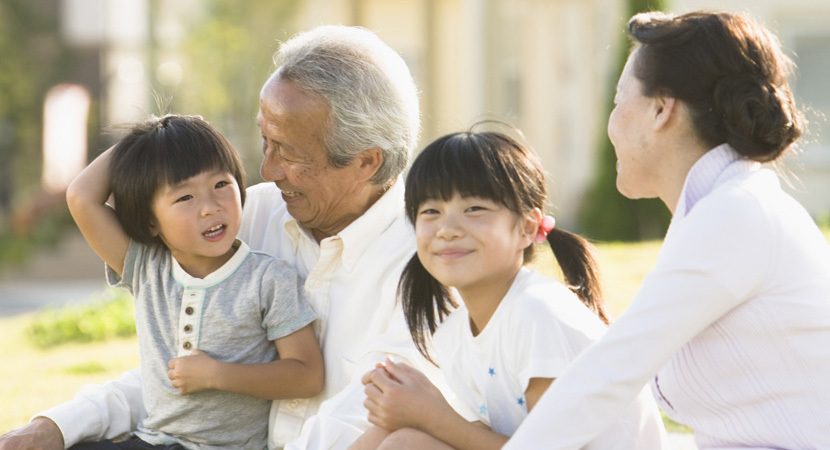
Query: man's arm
{"x": 98, "y": 412}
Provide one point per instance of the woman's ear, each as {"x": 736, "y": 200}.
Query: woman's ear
{"x": 665, "y": 108}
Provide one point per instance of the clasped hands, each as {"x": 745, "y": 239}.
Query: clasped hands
{"x": 399, "y": 396}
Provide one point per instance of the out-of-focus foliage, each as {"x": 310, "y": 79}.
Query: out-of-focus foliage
{"x": 227, "y": 57}
{"x": 608, "y": 215}
{"x": 109, "y": 316}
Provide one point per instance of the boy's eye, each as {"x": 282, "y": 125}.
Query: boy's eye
{"x": 427, "y": 211}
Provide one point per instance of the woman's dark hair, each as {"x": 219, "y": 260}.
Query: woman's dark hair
{"x": 159, "y": 152}
{"x": 729, "y": 71}
{"x": 493, "y": 166}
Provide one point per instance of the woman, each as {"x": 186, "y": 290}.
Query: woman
{"x": 732, "y": 328}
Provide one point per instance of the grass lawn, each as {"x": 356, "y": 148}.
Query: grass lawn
{"x": 32, "y": 379}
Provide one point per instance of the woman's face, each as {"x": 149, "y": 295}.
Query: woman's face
{"x": 629, "y": 128}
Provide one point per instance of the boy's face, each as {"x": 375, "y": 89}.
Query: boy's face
{"x": 198, "y": 219}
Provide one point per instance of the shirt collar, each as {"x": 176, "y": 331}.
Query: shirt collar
{"x": 218, "y": 275}
{"x": 357, "y": 236}
{"x": 710, "y": 170}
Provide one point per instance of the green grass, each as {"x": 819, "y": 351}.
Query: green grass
{"x": 35, "y": 377}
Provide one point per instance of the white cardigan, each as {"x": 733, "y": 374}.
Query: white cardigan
{"x": 735, "y": 318}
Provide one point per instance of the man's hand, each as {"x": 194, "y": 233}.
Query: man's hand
{"x": 40, "y": 433}
{"x": 191, "y": 374}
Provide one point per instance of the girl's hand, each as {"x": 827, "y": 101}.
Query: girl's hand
{"x": 191, "y": 374}
{"x": 398, "y": 396}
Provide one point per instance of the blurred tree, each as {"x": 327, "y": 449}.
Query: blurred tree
{"x": 33, "y": 60}
{"x": 228, "y": 56}
{"x": 607, "y": 215}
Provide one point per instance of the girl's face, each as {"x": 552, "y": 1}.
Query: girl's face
{"x": 472, "y": 244}
{"x": 198, "y": 219}
{"x": 629, "y": 131}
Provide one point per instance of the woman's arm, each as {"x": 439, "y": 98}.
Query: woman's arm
{"x": 86, "y": 197}
{"x": 298, "y": 373}
{"x": 399, "y": 396}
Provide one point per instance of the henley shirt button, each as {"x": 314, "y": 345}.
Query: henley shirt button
{"x": 187, "y": 328}
{"x": 188, "y": 310}
{"x": 187, "y": 345}
{"x": 292, "y": 404}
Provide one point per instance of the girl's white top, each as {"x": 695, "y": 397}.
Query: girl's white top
{"x": 734, "y": 321}
{"x": 538, "y": 328}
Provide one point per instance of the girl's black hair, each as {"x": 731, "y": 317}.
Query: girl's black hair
{"x": 162, "y": 151}
{"x": 493, "y": 166}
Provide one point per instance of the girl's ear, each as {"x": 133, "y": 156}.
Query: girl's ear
{"x": 530, "y": 225}
{"x": 154, "y": 229}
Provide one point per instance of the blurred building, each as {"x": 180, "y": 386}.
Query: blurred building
{"x": 546, "y": 66}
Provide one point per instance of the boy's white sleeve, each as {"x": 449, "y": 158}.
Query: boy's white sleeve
{"x": 100, "y": 411}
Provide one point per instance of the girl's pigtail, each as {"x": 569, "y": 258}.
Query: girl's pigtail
{"x": 575, "y": 256}
{"x": 425, "y": 303}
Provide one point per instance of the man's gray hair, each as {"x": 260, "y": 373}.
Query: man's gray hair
{"x": 372, "y": 99}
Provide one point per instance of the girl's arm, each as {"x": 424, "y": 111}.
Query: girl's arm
{"x": 298, "y": 373}
{"x": 399, "y": 396}
{"x": 86, "y": 197}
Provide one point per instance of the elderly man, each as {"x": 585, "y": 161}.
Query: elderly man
{"x": 339, "y": 119}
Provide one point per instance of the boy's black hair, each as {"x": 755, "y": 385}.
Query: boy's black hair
{"x": 162, "y": 151}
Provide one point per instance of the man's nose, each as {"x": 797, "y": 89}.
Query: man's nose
{"x": 271, "y": 169}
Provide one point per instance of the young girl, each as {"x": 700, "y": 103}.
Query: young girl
{"x": 476, "y": 202}
{"x": 207, "y": 308}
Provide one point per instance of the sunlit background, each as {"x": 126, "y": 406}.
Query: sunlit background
{"x": 72, "y": 70}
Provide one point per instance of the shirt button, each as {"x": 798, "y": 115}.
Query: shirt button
{"x": 187, "y": 345}
{"x": 188, "y": 310}
{"x": 292, "y": 404}
{"x": 188, "y": 328}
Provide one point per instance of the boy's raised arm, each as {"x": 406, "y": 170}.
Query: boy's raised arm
{"x": 86, "y": 198}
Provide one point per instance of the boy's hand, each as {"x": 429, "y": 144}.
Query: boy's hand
{"x": 194, "y": 373}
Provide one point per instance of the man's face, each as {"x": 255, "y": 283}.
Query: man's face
{"x": 293, "y": 123}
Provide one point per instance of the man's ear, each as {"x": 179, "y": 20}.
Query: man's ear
{"x": 665, "y": 108}
{"x": 368, "y": 162}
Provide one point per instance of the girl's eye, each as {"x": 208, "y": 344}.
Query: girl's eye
{"x": 184, "y": 198}
{"x": 222, "y": 184}
{"x": 475, "y": 208}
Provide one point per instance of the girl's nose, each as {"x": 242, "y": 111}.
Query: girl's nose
{"x": 449, "y": 227}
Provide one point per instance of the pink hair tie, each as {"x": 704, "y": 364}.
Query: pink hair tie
{"x": 545, "y": 226}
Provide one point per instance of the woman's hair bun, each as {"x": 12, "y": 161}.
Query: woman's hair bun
{"x": 760, "y": 119}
